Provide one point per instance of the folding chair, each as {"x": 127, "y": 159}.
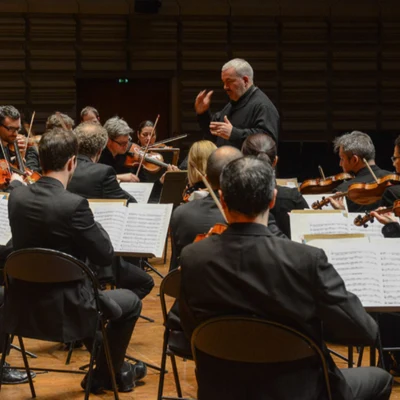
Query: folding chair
{"x": 170, "y": 286}
{"x": 37, "y": 266}
{"x": 253, "y": 340}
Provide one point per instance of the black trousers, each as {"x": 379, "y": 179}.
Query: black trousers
{"x": 123, "y": 308}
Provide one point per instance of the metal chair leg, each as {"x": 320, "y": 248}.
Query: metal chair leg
{"x": 27, "y": 369}
{"x": 109, "y": 360}
{"x": 163, "y": 365}
{"x": 176, "y": 376}
{"x": 69, "y": 355}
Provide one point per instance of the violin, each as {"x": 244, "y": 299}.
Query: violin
{"x": 152, "y": 162}
{"x": 362, "y": 220}
{"x": 362, "y": 193}
{"x": 324, "y": 185}
{"x": 217, "y": 229}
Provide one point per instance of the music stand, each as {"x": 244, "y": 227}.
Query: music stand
{"x": 174, "y": 185}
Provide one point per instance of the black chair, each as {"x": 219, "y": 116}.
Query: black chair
{"x": 174, "y": 341}
{"x": 43, "y": 266}
{"x": 253, "y": 340}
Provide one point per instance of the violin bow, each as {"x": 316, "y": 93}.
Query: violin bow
{"x": 5, "y": 157}
{"x": 208, "y": 186}
{"x": 168, "y": 140}
{"x": 321, "y": 172}
{"x": 58, "y": 115}
{"x": 370, "y": 170}
{"x": 147, "y": 146}
{"x": 31, "y": 124}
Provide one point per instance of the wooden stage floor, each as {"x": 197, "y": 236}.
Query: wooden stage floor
{"x": 145, "y": 344}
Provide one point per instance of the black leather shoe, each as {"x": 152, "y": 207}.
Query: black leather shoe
{"x": 13, "y": 376}
{"x": 126, "y": 378}
{"x": 129, "y": 375}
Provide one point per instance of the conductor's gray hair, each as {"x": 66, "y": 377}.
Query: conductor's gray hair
{"x": 242, "y": 67}
{"x": 355, "y": 143}
{"x": 116, "y": 126}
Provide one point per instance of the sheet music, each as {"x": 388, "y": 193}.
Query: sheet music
{"x": 316, "y": 222}
{"x": 390, "y": 261}
{"x": 5, "y": 232}
{"x": 146, "y": 228}
{"x": 113, "y": 220}
{"x": 139, "y": 190}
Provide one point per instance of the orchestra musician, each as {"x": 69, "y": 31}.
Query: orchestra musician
{"x": 352, "y": 149}
{"x": 287, "y": 199}
{"x": 249, "y": 110}
{"x": 90, "y": 114}
{"x": 117, "y": 145}
{"x": 248, "y": 271}
{"x": 198, "y": 155}
{"x": 10, "y": 125}
{"x": 46, "y": 215}
{"x": 53, "y": 121}
{"x": 392, "y": 193}
{"x": 98, "y": 181}
{"x": 143, "y": 133}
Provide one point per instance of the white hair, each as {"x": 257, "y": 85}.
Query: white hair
{"x": 242, "y": 67}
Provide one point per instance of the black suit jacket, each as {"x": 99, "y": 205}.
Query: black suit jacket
{"x": 390, "y": 195}
{"x": 287, "y": 199}
{"x": 96, "y": 181}
{"x": 48, "y": 216}
{"x": 196, "y": 217}
{"x": 362, "y": 176}
{"x": 248, "y": 271}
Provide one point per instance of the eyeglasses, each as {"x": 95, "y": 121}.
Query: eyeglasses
{"x": 119, "y": 143}
{"x": 11, "y": 128}
{"x": 394, "y": 158}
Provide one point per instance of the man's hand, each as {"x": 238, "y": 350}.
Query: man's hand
{"x": 17, "y": 177}
{"x": 22, "y": 142}
{"x": 129, "y": 177}
{"x": 337, "y": 204}
{"x": 203, "y": 100}
{"x": 385, "y": 218}
{"x": 222, "y": 129}
{"x": 169, "y": 168}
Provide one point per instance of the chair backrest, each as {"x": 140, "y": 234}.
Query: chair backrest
{"x": 254, "y": 340}
{"x": 44, "y": 266}
{"x": 170, "y": 286}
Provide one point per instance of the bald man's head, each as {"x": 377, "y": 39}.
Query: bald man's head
{"x": 217, "y": 161}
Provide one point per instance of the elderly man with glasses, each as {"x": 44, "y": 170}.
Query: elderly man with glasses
{"x": 118, "y": 143}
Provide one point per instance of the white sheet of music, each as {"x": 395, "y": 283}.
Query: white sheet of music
{"x": 5, "y": 231}
{"x": 139, "y": 190}
{"x": 139, "y": 228}
{"x": 146, "y": 228}
{"x": 316, "y": 223}
{"x": 370, "y": 269}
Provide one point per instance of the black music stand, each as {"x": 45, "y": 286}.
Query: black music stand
{"x": 174, "y": 185}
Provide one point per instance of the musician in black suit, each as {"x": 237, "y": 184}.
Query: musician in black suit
{"x": 48, "y": 216}
{"x": 353, "y": 148}
{"x": 198, "y": 216}
{"x": 248, "y": 271}
{"x": 98, "y": 181}
{"x": 287, "y": 199}
{"x": 392, "y": 193}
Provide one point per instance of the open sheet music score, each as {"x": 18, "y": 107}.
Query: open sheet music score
{"x": 328, "y": 222}
{"x": 139, "y": 190}
{"x": 138, "y": 229}
{"x": 5, "y": 231}
{"x": 369, "y": 268}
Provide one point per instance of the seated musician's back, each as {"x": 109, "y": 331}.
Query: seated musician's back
{"x": 247, "y": 271}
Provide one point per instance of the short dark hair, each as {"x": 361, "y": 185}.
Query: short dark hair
{"x": 54, "y": 121}
{"x": 248, "y": 185}
{"x": 217, "y": 161}
{"x": 10, "y": 112}
{"x": 145, "y": 124}
{"x": 91, "y": 137}
{"x": 56, "y": 147}
{"x": 260, "y": 143}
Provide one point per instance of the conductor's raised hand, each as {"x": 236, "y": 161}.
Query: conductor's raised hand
{"x": 203, "y": 100}
{"x": 222, "y": 129}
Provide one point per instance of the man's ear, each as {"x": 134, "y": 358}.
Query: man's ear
{"x": 71, "y": 163}
{"x": 222, "y": 200}
{"x": 275, "y": 162}
{"x": 273, "y": 200}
